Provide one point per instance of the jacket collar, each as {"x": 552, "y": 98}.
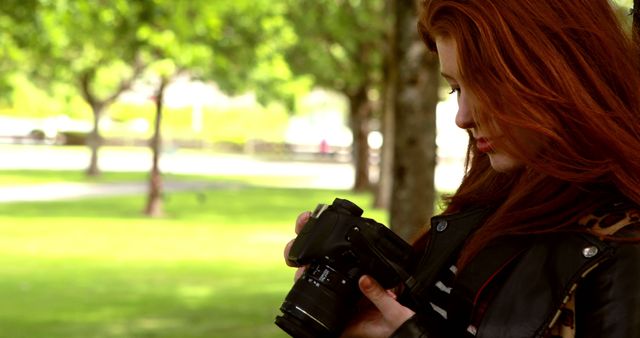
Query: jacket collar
{"x": 445, "y": 238}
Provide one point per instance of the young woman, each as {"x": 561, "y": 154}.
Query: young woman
{"x": 541, "y": 239}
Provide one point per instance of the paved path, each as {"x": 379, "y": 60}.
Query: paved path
{"x": 328, "y": 175}
{"x": 314, "y": 175}
{"x": 69, "y": 191}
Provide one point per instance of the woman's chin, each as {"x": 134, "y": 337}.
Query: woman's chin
{"x": 502, "y": 162}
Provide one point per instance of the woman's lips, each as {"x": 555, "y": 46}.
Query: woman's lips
{"x": 483, "y": 145}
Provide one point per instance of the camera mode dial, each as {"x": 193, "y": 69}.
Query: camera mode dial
{"x": 348, "y": 206}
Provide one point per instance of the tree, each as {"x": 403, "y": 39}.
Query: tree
{"x": 415, "y": 97}
{"x": 165, "y": 50}
{"x": 95, "y": 46}
{"x": 340, "y": 45}
{"x": 382, "y": 197}
{"x": 220, "y": 41}
{"x": 17, "y": 35}
{"x": 154, "y": 200}
{"x": 348, "y": 47}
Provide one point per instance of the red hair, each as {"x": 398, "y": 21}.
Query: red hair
{"x": 564, "y": 71}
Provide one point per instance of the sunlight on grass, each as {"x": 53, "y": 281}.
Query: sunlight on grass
{"x": 140, "y": 240}
{"x": 31, "y": 177}
{"x": 213, "y": 267}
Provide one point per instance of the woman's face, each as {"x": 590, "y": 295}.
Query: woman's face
{"x": 448, "y": 55}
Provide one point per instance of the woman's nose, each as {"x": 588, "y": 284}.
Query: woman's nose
{"x": 464, "y": 118}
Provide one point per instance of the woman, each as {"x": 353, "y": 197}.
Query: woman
{"x": 540, "y": 239}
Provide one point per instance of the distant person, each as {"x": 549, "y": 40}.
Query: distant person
{"x": 324, "y": 148}
{"x": 541, "y": 238}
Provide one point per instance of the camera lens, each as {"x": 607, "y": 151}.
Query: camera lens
{"x": 319, "y": 304}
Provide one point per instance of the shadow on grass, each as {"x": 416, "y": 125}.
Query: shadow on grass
{"x": 89, "y": 299}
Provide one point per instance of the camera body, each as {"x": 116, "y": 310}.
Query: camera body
{"x": 339, "y": 246}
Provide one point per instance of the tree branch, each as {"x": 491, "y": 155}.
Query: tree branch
{"x": 85, "y": 79}
{"x": 125, "y": 84}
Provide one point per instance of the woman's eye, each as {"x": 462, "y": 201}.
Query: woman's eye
{"x": 455, "y": 90}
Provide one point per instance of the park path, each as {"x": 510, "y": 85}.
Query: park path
{"x": 303, "y": 174}
{"x": 70, "y": 191}
{"x": 40, "y": 157}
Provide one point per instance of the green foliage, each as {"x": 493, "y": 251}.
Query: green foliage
{"x": 28, "y": 100}
{"x": 236, "y": 124}
{"x": 243, "y": 124}
{"x": 126, "y": 112}
{"x": 341, "y": 43}
{"x": 93, "y": 46}
{"x": 235, "y": 44}
{"x": 624, "y": 3}
{"x": 17, "y": 32}
{"x": 31, "y": 101}
{"x": 82, "y": 38}
{"x": 623, "y": 12}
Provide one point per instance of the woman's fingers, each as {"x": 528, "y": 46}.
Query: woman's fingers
{"x": 302, "y": 220}
{"x": 394, "y": 312}
{"x": 299, "y": 273}
{"x": 287, "y": 248}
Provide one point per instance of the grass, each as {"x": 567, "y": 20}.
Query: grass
{"x": 32, "y": 177}
{"x": 97, "y": 268}
{"x": 35, "y": 177}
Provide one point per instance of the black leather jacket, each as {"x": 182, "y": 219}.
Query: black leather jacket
{"x": 545, "y": 271}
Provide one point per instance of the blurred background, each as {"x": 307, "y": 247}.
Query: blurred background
{"x": 154, "y": 154}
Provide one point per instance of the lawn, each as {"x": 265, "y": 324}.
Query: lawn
{"x": 32, "y": 177}
{"x": 212, "y": 267}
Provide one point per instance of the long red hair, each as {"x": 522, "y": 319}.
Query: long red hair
{"x": 564, "y": 71}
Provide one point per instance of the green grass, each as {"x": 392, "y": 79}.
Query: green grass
{"x": 34, "y": 177}
{"x": 212, "y": 267}
{"x": 30, "y": 177}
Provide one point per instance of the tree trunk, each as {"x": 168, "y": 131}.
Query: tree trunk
{"x": 85, "y": 80}
{"x": 154, "y": 201}
{"x": 382, "y": 198}
{"x": 360, "y": 112}
{"x": 416, "y": 98}
{"x": 94, "y": 140}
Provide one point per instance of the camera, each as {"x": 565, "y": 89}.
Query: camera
{"x": 338, "y": 246}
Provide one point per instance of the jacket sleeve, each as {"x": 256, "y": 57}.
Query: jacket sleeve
{"x": 418, "y": 326}
{"x": 608, "y": 299}
{"x": 412, "y": 328}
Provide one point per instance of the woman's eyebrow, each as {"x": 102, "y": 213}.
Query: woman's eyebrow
{"x": 447, "y": 76}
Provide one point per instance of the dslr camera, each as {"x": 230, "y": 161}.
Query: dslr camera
{"x": 338, "y": 246}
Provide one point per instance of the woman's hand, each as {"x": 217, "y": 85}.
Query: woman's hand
{"x": 300, "y": 222}
{"x": 379, "y": 318}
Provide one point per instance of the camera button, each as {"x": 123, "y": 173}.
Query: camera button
{"x": 590, "y": 251}
{"x": 441, "y": 226}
